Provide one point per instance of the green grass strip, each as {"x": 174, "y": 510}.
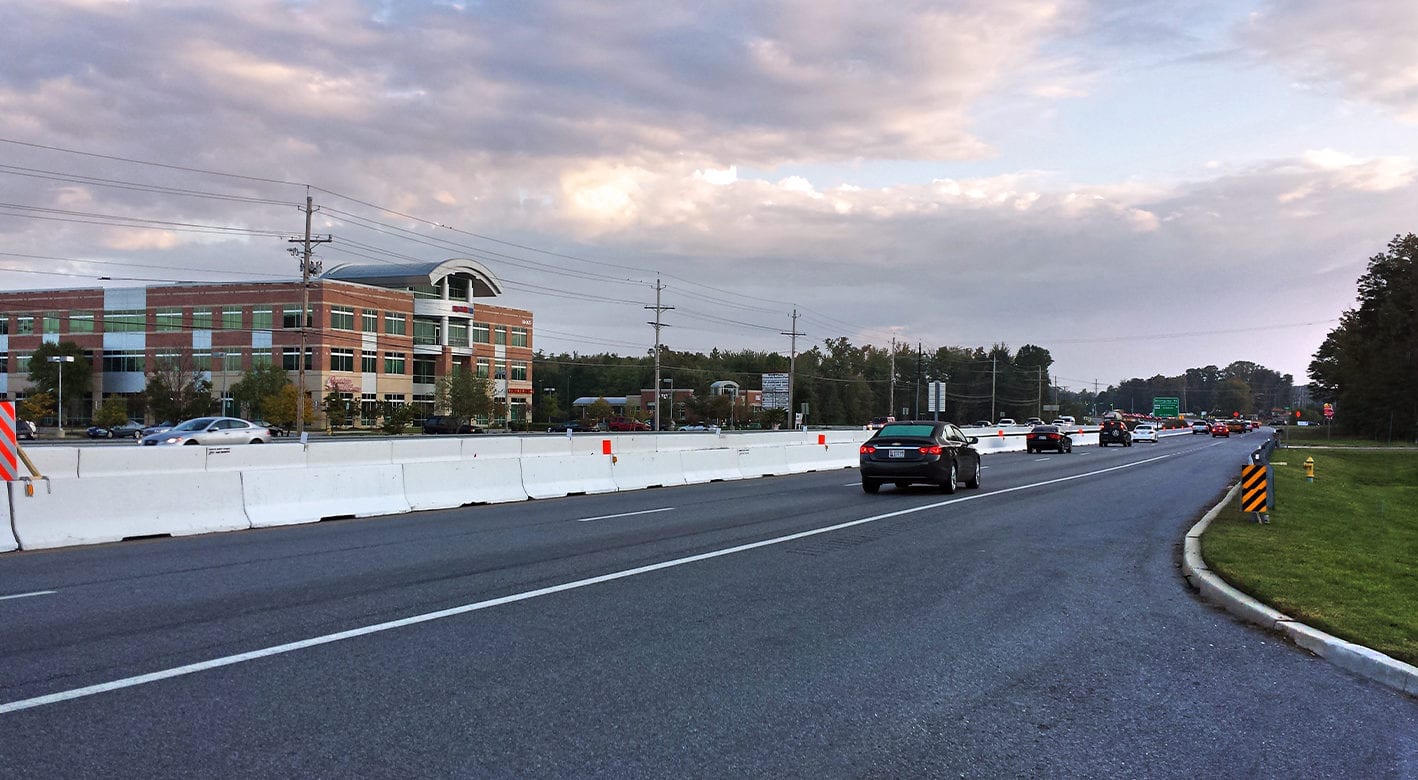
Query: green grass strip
{"x": 1340, "y": 553}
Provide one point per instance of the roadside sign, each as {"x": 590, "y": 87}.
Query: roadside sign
{"x": 935, "y": 397}
{"x": 1329, "y": 411}
{"x": 1166, "y": 407}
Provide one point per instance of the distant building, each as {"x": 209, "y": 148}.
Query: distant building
{"x": 374, "y": 333}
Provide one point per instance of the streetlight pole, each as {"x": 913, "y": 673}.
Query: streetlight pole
{"x": 548, "y": 391}
{"x": 61, "y": 360}
{"x": 221, "y": 356}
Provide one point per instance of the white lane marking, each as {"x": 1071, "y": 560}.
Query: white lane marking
{"x": 27, "y": 595}
{"x": 266, "y": 652}
{"x": 1041, "y": 460}
{"x": 625, "y": 514}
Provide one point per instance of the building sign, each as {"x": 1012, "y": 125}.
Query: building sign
{"x": 775, "y": 391}
{"x": 519, "y": 391}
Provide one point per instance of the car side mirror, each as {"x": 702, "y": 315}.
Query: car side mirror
{"x": 972, "y": 439}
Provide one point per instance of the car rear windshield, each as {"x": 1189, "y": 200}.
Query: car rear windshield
{"x": 896, "y": 429}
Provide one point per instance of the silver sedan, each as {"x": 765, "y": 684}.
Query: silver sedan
{"x": 211, "y": 431}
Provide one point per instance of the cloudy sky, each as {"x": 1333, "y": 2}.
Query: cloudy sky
{"x": 1139, "y": 187}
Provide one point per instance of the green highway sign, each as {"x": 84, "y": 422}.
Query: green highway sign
{"x": 1166, "y": 407}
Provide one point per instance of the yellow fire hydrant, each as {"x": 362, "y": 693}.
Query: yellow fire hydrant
{"x": 1309, "y": 469}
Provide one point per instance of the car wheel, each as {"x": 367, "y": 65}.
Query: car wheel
{"x": 952, "y": 480}
{"x": 189, "y": 443}
{"x": 1102, "y": 443}
{"x": 256, "y": 441}
{"x": 1029, "y": 450}
{"x": 108, "y": 434}
{"x": 870, "y": 485}
{"x": 974, "y": 481}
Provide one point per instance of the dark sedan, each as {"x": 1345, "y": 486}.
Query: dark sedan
{"x": 1048, "y": 437}
{"x": 907, "y": 452}
{"x": 128, "y": 430}
{"x": 575, "y": 426}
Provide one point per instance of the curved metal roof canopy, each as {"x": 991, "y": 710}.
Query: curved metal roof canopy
{"x": 484, "y": 284}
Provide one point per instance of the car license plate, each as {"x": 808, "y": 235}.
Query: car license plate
{"x": 895, "y": 453}
{"x": 1041, "y": 438}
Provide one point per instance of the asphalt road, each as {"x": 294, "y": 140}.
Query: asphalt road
{"x": 785, "y": 627}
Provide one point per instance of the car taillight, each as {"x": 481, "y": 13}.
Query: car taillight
{"x": 932, "y": 450}
{"x": 1054, "y": 436}
{"x": 867, "y": 449}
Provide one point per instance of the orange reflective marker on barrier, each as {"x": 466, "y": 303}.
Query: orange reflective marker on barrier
{"x": 1001, "y": 433}
{"x": 605, "y": 446}
{"x": 9, "y": 448}
{"x": 822, "y": 438}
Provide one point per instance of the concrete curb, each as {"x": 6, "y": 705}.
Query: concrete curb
{"x": 1346, "y": 655}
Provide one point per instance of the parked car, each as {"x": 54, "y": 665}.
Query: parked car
{"x": 447, "y": 423}
{"x": 1033, "y": 421}
{"x": 1201, "y": 426}
{"x": 876, "y": 422}
{"x": 914, "y": 451}
{"x": 24, "y": 429}
{"x": 211, "y": 431}
{"x": 1114, "y": 431}
{"x": 1048, "y": 437}
{"x": 980, "y": 424}
{"x": 128, "y": 430}
{"x": 1145, "y": 432}
{"x": 276, "y": 430}
{"x": 1220, "y": 429}
{"x": 1007, "y": 422}
{"x": 575, "y": 426}
{"x": 626, "y": 424}
{"x": 694, "y": 427}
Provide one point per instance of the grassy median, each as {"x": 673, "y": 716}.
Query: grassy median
{"x": 1340, "y": 553}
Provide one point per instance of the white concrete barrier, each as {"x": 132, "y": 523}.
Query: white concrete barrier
{"x": 350, "y": 453}
{"x": 54, "y": 462}
{"x": 766, "y": 461}
{"x": 449, "y": 484}
{"x": 8, "y": 541}
{"x": 702, "y": 466}
{"x": 802, "y": 458}
{"x": 492, "y": 447}
{"x": 639, "y": 470}
{"x": 287, "y": 497}
{"x": 553, "y": 476}
{"x": 136, "y": 459}
{"x": 94, "y": 510}
{"x": 426, "y": 448}
{"x": 246, "y": 457}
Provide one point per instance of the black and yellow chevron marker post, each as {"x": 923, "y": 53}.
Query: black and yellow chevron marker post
{"x": 1255, "y": 490}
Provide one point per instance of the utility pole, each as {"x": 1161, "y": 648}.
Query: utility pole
{"x": 1039, "y": 374}
{"x": 916, "y": 414}
{"x": 994, "y": 374}
{"x": 792, "y": 362}
{"x": 306, "y": 269}
{"x": 891, "y": 391}
{"x": 659, "y": 309}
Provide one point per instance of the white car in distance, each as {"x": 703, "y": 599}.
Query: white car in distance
{"x": 1145, "y": 432}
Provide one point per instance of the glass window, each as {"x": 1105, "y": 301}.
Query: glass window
{"x": 202, "y": 361}
{"x": 457, "y": 333}
{"x": 290, "y": 358}
{"x": 24, "y": 324}
{"x": 4, "y": 324}
{"x": 231, "y": 359}
{"x": 481, "y": 333}
{"x": 51, "y": 322}
{"x": 261, "y": 318}
{"x": 484, "y": 368}
{"x": 166, "y": 318}
{"x": 426, "y": 331}
{"x": 368, "y": 362}
{"x": 231, "y": 319}
{"x": 260, "y": 357}
{"x": 519, "y": 337}
{"x": 424, "y": 291}
{"x": 341, "y": 318}
{"x": 396, "y": 324}
{"x": 124, "y": 361}
{"x": 369, "y": 321}
{"x": 500, "y": 370}
{"x": 22, "y": 362}
{"x": 125, "y": 321}
{"x": 4, "y": 362}
{"x": 394, "y": 363}
{"x": 341, "y": 360}
{"x": 423, "y": 369}
{"x": 290, "y": 316}
{"x": 519, "y": 371}
{"x": 81, "y": 322}
{"x": 457, "y": 288}
{"x": 499, "y": 332}
{"x": 201, "y": 319}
